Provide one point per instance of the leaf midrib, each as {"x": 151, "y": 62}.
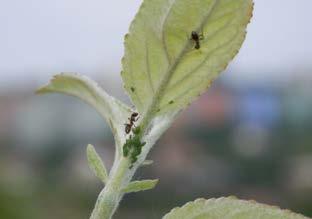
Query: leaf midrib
{"x": 152, "y": 108}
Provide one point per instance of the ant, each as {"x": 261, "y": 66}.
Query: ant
{"x": 196, "y": 37}
{"x": 132, "y": 119}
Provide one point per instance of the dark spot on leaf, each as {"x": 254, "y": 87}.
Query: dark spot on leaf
{"x": 171, "y": 102}
{"x": 132, "y": 89}
{"x": 158, "y": 110}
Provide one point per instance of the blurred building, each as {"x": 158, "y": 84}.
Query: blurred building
{"x": 250, "y": 141}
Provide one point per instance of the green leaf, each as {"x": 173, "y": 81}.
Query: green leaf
{"x": 147, "y": 163}
{"x": 96, "y": 164}
{"x": 137, "y": 186}
{"x": 229, "y": 208}
{"x": 162, "y": 70}
{"x": 112, "y": 110}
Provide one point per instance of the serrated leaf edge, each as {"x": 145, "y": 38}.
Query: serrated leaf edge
{"x": 157, "y": 94}
{"x": 233, "y": 198}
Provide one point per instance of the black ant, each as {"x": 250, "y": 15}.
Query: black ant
{"x": 196, "y": 37}
{"x": 132, "y": 119}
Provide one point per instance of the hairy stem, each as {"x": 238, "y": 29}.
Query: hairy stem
{"x": 109, "y": 198}
{"x": 121, "y": 173}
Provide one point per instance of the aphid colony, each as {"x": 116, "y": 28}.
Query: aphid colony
{"x": 133, "y": 145}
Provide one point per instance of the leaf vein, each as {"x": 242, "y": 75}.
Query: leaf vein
{"x": 163, "y": 32}
{"x": 148, "y": 70}
{"x": 199, "y": 66}
{"x": 133, "y": 84}
{"x": 188, "y": 75}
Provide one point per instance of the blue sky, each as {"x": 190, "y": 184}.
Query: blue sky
{"x": 41, "y": 38}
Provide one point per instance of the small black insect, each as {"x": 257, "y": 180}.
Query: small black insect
{"x": 196, "y": 37}
{"x": 132, "y": 119}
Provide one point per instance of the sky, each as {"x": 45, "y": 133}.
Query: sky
{"x": 41, "y": 38}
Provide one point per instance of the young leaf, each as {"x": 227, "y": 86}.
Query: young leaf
{"x": 96, "y": 164}
{"x": 137, "y": 186}
{"x": 147, "y": 163}
{"x": 162, "y": 69}
{"x": 230, "y": 208}
{"x": 113, "y": 111}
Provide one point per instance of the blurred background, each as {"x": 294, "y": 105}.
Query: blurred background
{"x": 248, "y": 136}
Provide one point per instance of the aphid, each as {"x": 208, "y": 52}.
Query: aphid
{"x": 133, "y": 147}
{"x": 196, "y": 37}
{"x": 136, "y": 131}
{"x": 132, "y": 119}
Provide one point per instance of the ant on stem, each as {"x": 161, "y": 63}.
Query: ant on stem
{"x": 132, "y": 119}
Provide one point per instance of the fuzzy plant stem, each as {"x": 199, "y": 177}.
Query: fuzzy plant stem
{"x": 109, "y": 198}
{"x": 119, "y": 177}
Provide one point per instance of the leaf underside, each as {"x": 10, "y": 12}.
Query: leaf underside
{"x": 229, "y": 208}
{"x": 111, "y": 109}
{"x": 137, "y": 186}
{"x": 96, "y": 164}
{"x": 161, "y": 67}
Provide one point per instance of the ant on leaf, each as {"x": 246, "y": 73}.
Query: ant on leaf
{"x": 196, "y": 38}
